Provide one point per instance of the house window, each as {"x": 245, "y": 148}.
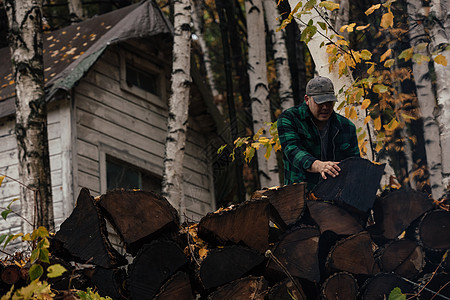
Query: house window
{"x": 120, "y": 174}
{"x": 144, "y": 80}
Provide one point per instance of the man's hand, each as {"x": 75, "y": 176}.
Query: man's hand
{"x": 325, "y": 167}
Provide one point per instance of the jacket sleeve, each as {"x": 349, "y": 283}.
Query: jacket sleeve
{"x": 292, "y": 145}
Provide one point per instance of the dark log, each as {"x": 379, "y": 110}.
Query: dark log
{"x": 244, "y": 288}
{"x": 246, "y": 224}
{"x": 339, "y": 286}
{"x": 356, "y": 185}
{"x": 110, "y": 282}
{"x": 288, "y": 201}
{"x": 221, "y": 266}
{"x": 152, "y": 266}
{"x": 394, "y": 212}
{"x": 353, "y": 254}
{"x": 298, "y": 253}
{"x": 10, "y": 274}
{"x": 433, "y": 231}
{"x": 439, "y": 283}
{"x": 286, "y": 289}
{"x": 177, "y": 287}
{"x": 403, "y": 257}
{"x": 85, "y": 237}
{"x": 138, "y": 216}
{"x": 333, "y": 218}
{"x": 380, "y": 286}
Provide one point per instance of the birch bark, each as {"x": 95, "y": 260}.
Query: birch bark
{"x": 25, "y": 23}
{"x": 75, "y": 11}
{"x": 259, "y": 94}
{"x": 426, "y": 98}
{"x": 178, "y": 107}
{"x": 280, "y": 54}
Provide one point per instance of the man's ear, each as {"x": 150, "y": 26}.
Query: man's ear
{"x": 306, "y": 99}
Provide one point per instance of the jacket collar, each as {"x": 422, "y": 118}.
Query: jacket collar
{"x": 305, "y": 114}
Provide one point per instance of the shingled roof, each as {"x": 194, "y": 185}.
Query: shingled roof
{"x": 70, "y": 52}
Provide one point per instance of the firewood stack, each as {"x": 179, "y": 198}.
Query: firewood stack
{"x": 340, "y": 241}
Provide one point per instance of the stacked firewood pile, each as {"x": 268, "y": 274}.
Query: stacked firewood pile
{"x": 339, "y": 242}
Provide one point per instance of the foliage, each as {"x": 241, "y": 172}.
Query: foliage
{"x": 396, "y": 294}
{"x": 91, "y": 295}
{"x": 35, "y": 290}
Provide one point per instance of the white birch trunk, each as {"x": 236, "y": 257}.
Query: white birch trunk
{"x": 280, "y": 54}
{"x": 178, "y": 107}
{"x": 426, "y": 98}
{"x": 439, "y": 39}
{"x": 25, "y": 18}
{"x": 196, "y": 15}
{"x": 340, "y": 17}
{"x": 259, "y": 94}
{"x": 75, "y": 11}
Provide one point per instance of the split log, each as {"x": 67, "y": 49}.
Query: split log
{"x": 11, "y": 274}
{"x": 223, "y": 265}
{"x": 138, "y": 216}
{"x": 84, "y": 235}
{"x": 403, "y": 257}
{"x": 380, "y": 286}
{"x": 110, "y": 282}
{"x": 288, "y": 201}
{"x": 356, "y": 185}
{"x": 177, "y": 287}
{"x": 244, "y": 288}
{"x": 298, "y": 253}
{"x": 152, "y": 266}
{"x": 353, "y": 254}
{"x": 433, "y": 231}
{"x": 394, "y": 212}
{"x": 333, "y": 218}
{"x": 286, "y": 289}
{"x": 338, "y": 286}
{"x": 246, "y": 224}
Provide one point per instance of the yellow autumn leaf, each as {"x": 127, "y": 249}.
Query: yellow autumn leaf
{"x": 347, "y": 111}
{"x": 365, "y": 104}
{"x": 377, "y": 123}
{"x": 1, "y": 179}
{"x": 389, "y": 63}
{"x": 366, "y": 54}
{"x": 371, "y": 69}
{"x": 366, "y": 120}
{"x": 342, "y": 67}
{"x": 349, "y": 61}
{"x": 202, "y": 252}
{"x": 392, "y": 125}
{"x": 441, "y": 59}
{"x": 387, "y": 20}
{"x": 385, "y": 55}
{"x": 329, "y": 5}
{"x": 378, "y": 147}
{"x": 263, "y": 140}
{"x": 372, "y": 9}
{"x": 353, "y": 114}
{"x": 362, "y": 27}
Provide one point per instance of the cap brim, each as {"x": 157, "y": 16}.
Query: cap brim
{"x": 319, "y": 99}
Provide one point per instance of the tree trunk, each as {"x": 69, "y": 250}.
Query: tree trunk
{"x": 259, "y": 92}
{"x": 25, "y": 18}
{"x": 244, "y": 288}
{"x": 426, "y": 99}
{"x": 280, "y": 54}
{"x": 75, "y": 11}
{"x": 178, "y": 107}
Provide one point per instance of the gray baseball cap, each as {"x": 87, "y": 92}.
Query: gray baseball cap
{"x": 321, "y": 89}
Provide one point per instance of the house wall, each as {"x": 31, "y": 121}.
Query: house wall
{"x": 113, "y": 121}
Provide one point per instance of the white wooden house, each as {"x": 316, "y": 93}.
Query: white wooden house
{"x": 107, "y": 86}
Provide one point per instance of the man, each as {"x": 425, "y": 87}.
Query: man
{"x": 314, "y": 138}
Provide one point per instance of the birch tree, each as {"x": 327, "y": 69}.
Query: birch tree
{"x": 259, "y": 93}
{"x": 280, "y": 54}
{"x": 178, "y": 107}
{"x": 75, "y": 11}
{"x": 25, "y": 23}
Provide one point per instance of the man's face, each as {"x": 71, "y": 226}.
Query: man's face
{"x": 321, "y": 112}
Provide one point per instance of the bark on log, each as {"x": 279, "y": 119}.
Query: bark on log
{"x": 221, "y": 266}
{"x": 152, "y": 266}
{"x": 403, "y": 257}
{"x": 394, "y": 212}
{"x": 339, "y": 286}
{"x": 288, "y": 201}
{"x": 333, "y": 218}
{"x": 177, "y": 287}
{"x": 381, "y": 285}
{"x": 356, "y": 185}
{"x": 244, "y": 288}
{"x": 298, "y": 253}
{"x": 138, "y": 216}
{"x": 247, "y": 224}
{"x": 85, "y": 237}
{"x": 286, "y": 290}
{"x": 10, "y": 274}
{"x": 110, "y": 282}
{"x": 433, "y": 231}
{"x": 353, "y": 254}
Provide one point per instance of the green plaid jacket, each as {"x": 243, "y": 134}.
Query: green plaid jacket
{"x": 300, "y": 142}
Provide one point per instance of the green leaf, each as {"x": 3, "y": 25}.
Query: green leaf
{"x": 35, "y": 255}
{"x": 55, "y": 271}
{"x": 12, "y": 201}
{"x": 2, "y": 238}
{"x": 406, "y": 54}
{"x": 5, "y": 213}
{"x": 380, "y": 88}
{"x": 329, "y": 5}
{"x": 310, "y": 4}
{"x": 43, "y": 255}
{"x": 341, "y": 105}
{"x": 35, "y": 271}
{"x": 10, "y": 237}
{"x": 322, "y": 25}
{"x": 220, "y": 150}
{"x": 366, "y": 54}
{"x": 396, "y": 294}
{"x": 389, "y": 63}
